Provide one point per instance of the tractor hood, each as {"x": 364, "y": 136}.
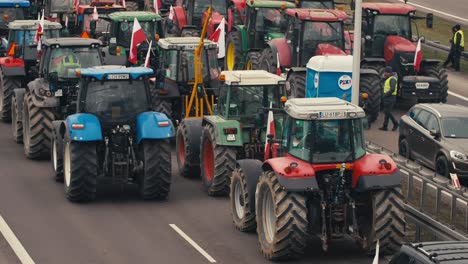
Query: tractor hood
{"x": 394, "y": 44}
{"x": 328, "y": 49}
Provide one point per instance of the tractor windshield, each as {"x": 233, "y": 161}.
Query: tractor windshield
{"x": 64, "y": 61}
{"x": 385, "y": 25}
{"x": 240, "y": 101}
{"x": 28, "y": 39}
{"x": 101, "y": 25}
{"x": 200, "y": 6}
{"x": 326, "y": 141}
{"x": 269, "y": 20}
{"x": 317, "y": 4}
{"x": 124, "y": 35}
{"x": 315, "y": 33}
{"x": 179, "y": 65}
{"x": 116, "y": 101}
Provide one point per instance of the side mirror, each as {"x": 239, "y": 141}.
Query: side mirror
{"x": 429, "y": 20}
{"x": 434, "y": 133}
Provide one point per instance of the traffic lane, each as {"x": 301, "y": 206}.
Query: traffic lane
{"x": 457, "y": 8}
{"x": 7, "y": 255}
{"x": 458, "y": 83}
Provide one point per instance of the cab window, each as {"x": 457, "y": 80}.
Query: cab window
{"x": 432, "y": 123}
{"x": 422, "y": 117}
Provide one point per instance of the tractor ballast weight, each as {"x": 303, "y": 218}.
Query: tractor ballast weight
{"x": 85, "y": 17}
{"x": 11, "y": 10}
{"x": 113, "y": 135}
{"x": 319, "y": 181}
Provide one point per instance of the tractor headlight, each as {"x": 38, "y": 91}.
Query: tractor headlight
{"x": 458, "y": 156}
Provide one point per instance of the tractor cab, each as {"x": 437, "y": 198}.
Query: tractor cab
{"x": 85, "y": 17}
{"x": 196, "y": 13}
{"x": 12, "y": 10}
{"x": 316, "y": 4}
{"x": 56, "y": 10}
{"x": 315, "y": 32}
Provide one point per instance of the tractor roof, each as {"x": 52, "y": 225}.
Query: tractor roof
{"x": 88, "y": 9}
{"x": 329, "y": 15}
{"x": 71, "y": 42}
{"x": 130, "y": 15}
{"x": 111, "y": 72}
{"x": 32, "y": 25}
{"x": 322, "y": 108}
{"x": 185, "y": 43}
{"x": 270, "y": 3}
{"x": 388, "y": 8}
{"x": 14, "y": 3}
{"x": 258, "y": 77}
{"x": 331, "y": 63}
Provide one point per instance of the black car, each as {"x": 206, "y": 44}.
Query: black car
{"x": 453, "y": 252}
{"x": 436, "y": 135}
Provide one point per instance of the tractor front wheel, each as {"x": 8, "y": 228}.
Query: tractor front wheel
{"x": 269, "y": 63}
{"x": 216, "y": 162}
{"x": 281, "y": 219}
{"x": 370, "y": 84}
{"x": 297, "y": 84}
{"x": 253, "y": 61}
{"x": 7, "y": 85}
{"x": 241, "y": 209}
{"x": 155, "y": 182}
{"x": 16, "y": 115}
{"x": 131, "y": 6}
{"x": 188, "y": 147}
{"x": 440, "y": 73}
{"x": 56, "y": 156}
{"x": 233, "y": 58}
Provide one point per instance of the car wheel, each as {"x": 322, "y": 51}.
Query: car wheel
{"x": 404, "y": 149}
{"x": 442, "y": 166}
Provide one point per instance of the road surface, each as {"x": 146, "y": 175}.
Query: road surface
{"x": 455, "y": 10}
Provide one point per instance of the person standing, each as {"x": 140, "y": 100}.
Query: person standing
{"x": 459, "y": 46}
{"x": 450, "y": 57}
{"x": 389, "y": 97}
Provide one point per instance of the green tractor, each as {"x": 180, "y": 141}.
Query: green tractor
{"x": 263, "y": 23}
{"x": 119, "y": 35}
{"x": 236, "y": 130}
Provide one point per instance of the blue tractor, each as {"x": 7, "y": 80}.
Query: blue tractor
{"x": 113, "y": 137}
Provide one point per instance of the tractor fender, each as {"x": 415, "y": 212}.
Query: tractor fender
{"x": 219, "y": 124}
{"x": 244, "y": 37}
{"x": 180, "y": 16}
{"x": 369, "y": 174}
{"x": 368, "y": 71}
{"x": 280, "y": 46}
{"x": 431, "y": 62}
{"x": 13, "y": 70}
{"x": 153, "y": 125}
{"x": 300, "y": 178}
{"x": 19, "y": 95}
{"x": 252, "y": 170}
{"x": 89, "y": 131}
{"x": 42, "y": 100}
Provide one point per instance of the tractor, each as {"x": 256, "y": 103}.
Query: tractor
{"x": 388, "y": 40}
{"x": 20, "y": 65}
{"x": 113, "y": 136}
{"x": 52, "y": 95}
{"x": 236, "y": 130}
{"x": 318, "y": 180}
{"x": 119, "y": 38}
{"x": 263, "y": 23}
{"x": 12, "y": 10}
{"x": 57, "y": 10}
{"x": 85, "y": 21}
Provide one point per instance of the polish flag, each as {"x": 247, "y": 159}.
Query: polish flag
{"x": 156, "y": 6}
{"x": 278, "y": 65}
{"x": 66, "y": 21}
{"x": 138, "y": 36}
{"x": 95, "y": 14}
{"x": 219, "y": 36}
{"x": 270, "y": 130}
{"x": 147, "y": 59}
{"x": 40, "y": 28}
{"x": 123, "y": 4}
{"x": 171, "y": 13}
{"x": 418, "y": 57}
{"x": 455, "y": 181}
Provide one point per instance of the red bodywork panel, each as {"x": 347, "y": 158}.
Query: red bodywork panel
{"x": 329, "y": 15}
{"x": 11, "y": 62}
{"x": 328, "y": 49}
{"x": 283, "y": 51}
{"x": 240, "y": 5}
{"x": 180, "y": 16}
{"x": 396, "y": 43}
{"x": 389, "y": 8}
{"x": 216, "y": 19}
{"x": 369, "y": 166}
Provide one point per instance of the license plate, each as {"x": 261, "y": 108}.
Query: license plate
{"x": 332, "y": 114}
{"x": 118, "y": 76}
{"x": 59, "y": 92}
{"x": 231, "y": 137}
{"x": 422, "y": 85}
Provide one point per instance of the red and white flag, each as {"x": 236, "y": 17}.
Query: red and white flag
{"x": 147, "y": 59}
{"x": 278, "y": 65}
{"x": 95, "y": 14}
{"x": 66, "y": 21}
{"x": 219, "y": 36}
{"x": 156, "y": 6}
{"x": 270, "y": 130}
{"x": 40, "y": 28}
{"x": 123, "y": 4}
{"x": 138, "y": 36}
{"x": 418, "y": 57}
{"x": 455, "y": 181}
{"x": 171, "y": 13}
{"x": 76, "y": 3}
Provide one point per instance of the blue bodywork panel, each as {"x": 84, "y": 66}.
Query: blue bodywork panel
{"x": 153, "y": 125}
{"x": 115, "y": 72}
{"x": 91, "y": 130}
{"x": 14, "y": 3}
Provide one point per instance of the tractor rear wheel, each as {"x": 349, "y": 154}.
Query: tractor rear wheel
{"x": 216, "y": 163}
{"x": 80, "y": 170}
{"x": 56, "y": 156}
{"x": 241, "y": 209}
{"x": 7, "y": 85}
{"x": 131, "y": 6}
{"x": 281, "y": 219}
{"x": 370, "y": 84}
{"x": 253, "y": 60}
{"x": 233, "y": 59}
{"x": 188, "y": 147}
{"x": 16, "y": 115}
{"x": 155, "y": 182}
{"x": 383, "y": 220}
{"x": 162, "y": 106}
{"x": 269, "y": 63}
{"x": 297, "y": 84}
{"x": 440, "y": 73}
{"x": 37, "y": 129}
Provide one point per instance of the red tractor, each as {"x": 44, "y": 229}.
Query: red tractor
{"x": 86, "y": 25}
{"x": 318, "y": 180}
{"x": 388, "y": 40}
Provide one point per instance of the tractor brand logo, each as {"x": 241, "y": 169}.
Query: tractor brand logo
{"x": 422, "y": 85}
{"x": 344, "y": 82}
{"x": 316, "y": 80}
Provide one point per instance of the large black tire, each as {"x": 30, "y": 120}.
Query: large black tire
{"x": 241, "y": 208}
{"x": 281, "y": 220}
{"x": 404, "y": 148}
{"x": 269, "y": 60}
{"x": 384, "y": 221}
{"x": 440, "y": 73}
{"x": 442, "y": 166}
{"x": 37, "y": 129}
{"x": 131, "y": 6}
{"x": 56, "y": 154}
{"x": 17, "y": 115}
{"x": 163, "y": 106}
{"x": 253, "y": 60}
{"x": 370, "y": 84}
{"x": 80, "y": 170}
{"x": 216, "y": 163}
{"x": 297, "y": 84}
{"x": 188, "y": 147}
{"x": 233, "y": 58}
{"x": 155, "y": 182}
{"x": 7, "y": 85}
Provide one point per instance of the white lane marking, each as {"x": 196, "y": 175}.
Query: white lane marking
{"x": 457, "y": 95}
{"x": 436, "y": 11}
{"x": 192, "y": 243}
{"x": 14, "y": 243}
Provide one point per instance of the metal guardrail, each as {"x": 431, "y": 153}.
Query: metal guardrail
{"x": 431, "y": 201}
{"x": 438, "y": 46}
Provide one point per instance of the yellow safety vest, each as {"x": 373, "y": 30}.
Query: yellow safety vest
{"x": 462, "y": 36}
{"x": 386, "y": 88}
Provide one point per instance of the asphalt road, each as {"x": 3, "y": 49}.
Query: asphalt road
{"x": 456, "y": 10}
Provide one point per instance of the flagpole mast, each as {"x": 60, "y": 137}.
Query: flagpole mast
{"x": 356, "y": 52}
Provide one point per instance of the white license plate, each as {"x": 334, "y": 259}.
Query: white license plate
{"x": 59, "y": 92}
{"x": 422, "y": 85}
{"x": 231, "y": 137}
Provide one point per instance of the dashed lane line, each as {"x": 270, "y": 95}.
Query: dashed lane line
{"x": 458, "y": 96}
{"x": 14, "y": 243}
{"x": 192, "y": 243}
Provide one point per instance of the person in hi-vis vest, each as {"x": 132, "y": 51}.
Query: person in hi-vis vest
{"x": 458, "y": 46}
{"x": 389, "y": 97}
